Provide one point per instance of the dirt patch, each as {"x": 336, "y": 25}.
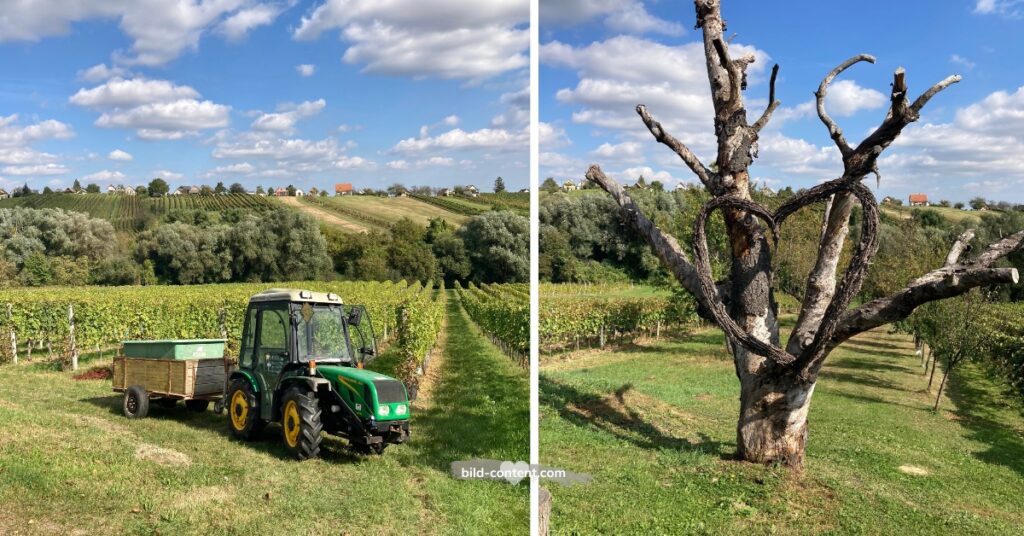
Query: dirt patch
{"x": 323, "y": 215}
{"x": 96, "y": 373}
{"x": 914, "y": 470}
{"x": 162, "y": 456}
{"x": 201, "y": 496}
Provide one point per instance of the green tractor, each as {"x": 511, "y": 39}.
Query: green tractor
{"x": 301, "y": 364}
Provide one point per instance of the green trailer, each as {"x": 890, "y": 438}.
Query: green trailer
{"x": 168, "y": 371}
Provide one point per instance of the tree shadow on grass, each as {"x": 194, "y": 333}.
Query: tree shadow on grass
{"x": 614, "y": 415}
{"x": 862, "y": 379}
{"x": 978, "y": 405}
{"x": 866, "y": 364}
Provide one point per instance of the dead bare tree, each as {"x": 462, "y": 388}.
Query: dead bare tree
{"x": 777, "y": 384}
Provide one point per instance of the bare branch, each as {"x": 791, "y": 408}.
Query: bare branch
{"x": 962, "y": 244}
{"x": 945, "y": 282}
{"x": 665, "y": 246}
{"x": 731, "y": 67}
{"x": 999, "y": 250}
{"x": 772, "y": 103}
{"x": 932, "y": 91}
{"x": 833, "y": 130}
{"x": 703, "y": 173}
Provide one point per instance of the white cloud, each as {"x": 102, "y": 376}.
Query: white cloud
{"x": 1000, "y": 113}
{"x": 617, "y": 74}
{"x": 436, "y": 161}
{"x": 517, "y": 112}
{"x": 462, "y": 39}
{"x": 552, "y": 137}
{"x": 962, "y": 61}
{"x": 237, "y": 26}
{"x": 1009, "y": 8}
{"x": 461, "y": 139}
{"x": 623, "y": 16}
{"x": 105, "y": 176}
{"x": 398, "y": 164}
{"x": 121, "y": 93}
{"x": 306, "y": 69}
{"x": 168, "y": 175}
{"x": 634, "y": 18}
{"x": 286, "y": 119}
{"x": 101, "y": 73}
{"x": 36, "y": 170}
{"x": 628, "y": 151}
{"x": 240, "y": 168}
{"x": 354, "y": 162}
{"x": 845, "y": 98}
{"x": 168, "y": 120}
{"x": 159, "y": 30}
{"x": 252, "y": 145}
{"x": 451, "y": 120}
{"x": 118, "y": 154}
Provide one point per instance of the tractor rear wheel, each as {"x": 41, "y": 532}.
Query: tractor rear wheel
{"x": 135, "y": 403}
{"x": 300, "y": 423}
{"x": 244, "y": 411}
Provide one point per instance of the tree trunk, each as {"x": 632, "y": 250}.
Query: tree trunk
{"x": 931, "y": 377}
{"x": 772, "y": 426}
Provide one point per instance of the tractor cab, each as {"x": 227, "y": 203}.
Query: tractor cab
{"x": 301, "y": 364}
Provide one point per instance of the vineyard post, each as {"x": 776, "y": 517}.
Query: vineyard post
{"x": 71, "y": 337}
{"x": 14, "y": 336}
{"x": 602, "y": 336}
{"x": 222, "y": 318}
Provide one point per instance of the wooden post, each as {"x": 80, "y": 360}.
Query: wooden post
{"x": 72, "y": 348}
{"x": 14, "y": 337}
{"x": 657, "y": 331}
{"x": 601, "y": 342}
{"x": 227, "y": 359}
{"x": 544, "y": 512}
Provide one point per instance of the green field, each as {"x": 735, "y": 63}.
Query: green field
{"x": 70, "y": 463}
{"x": 123, "y": 210}
{"x": 655, "y": 425}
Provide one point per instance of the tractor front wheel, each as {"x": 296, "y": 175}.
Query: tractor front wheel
{"x": 244, "y": 411}
{"x": 300, "y": 423}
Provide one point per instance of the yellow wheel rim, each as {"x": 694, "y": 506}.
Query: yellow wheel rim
{"x": 239, "y": 410}
{"x": 291, "y": 424}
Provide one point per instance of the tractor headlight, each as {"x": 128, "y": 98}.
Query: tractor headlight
{"x": 400, "y": 410}
{"x": 384, "y": 411}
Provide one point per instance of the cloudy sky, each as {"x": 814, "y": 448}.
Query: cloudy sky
{"x": 599, "y": 58}
{"x": 264, "y": 92}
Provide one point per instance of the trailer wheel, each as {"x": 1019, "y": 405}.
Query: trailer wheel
{"x": 244, "y": 411}
{"x": 197, "y": 405}
{"x": 300, "y": 423}
{"x": 135, "y": 403}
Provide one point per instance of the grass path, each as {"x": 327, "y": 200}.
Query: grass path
{"x": 654, "y": 424}
{"x": 324, "y": 216}
{"x": 70, "y": 463}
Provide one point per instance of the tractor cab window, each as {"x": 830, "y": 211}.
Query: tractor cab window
{"x": 248, "y": 339}
{"x": 322, "y": 333}
{"x": 273, "y": 338}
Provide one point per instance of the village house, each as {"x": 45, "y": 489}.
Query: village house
{"x": 343, "y": 188}
{"x": 444, "y": 192}
{"x": 281, "y": 192}
{"x": 472, "y": 191}
{"x": 4, "y": 194}
{"x": 313, "y": 192}
{"x": 570, "y": 186}
{"x": 918, "y": 200}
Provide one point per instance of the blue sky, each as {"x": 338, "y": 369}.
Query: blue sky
{"x": 600, "y": 58}
{"x": 264, "y": 92}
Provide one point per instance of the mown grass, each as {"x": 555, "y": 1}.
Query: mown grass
{"x": 70, "y": 463}
{"x": 655, "y": 425}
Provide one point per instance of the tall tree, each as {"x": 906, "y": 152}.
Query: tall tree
{"x": 776, "y": 384}
{"x": 499, "y": 185}
{"x": 158, "y": 187}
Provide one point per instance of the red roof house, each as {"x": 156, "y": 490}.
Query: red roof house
{"x": 343, "y": 188}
